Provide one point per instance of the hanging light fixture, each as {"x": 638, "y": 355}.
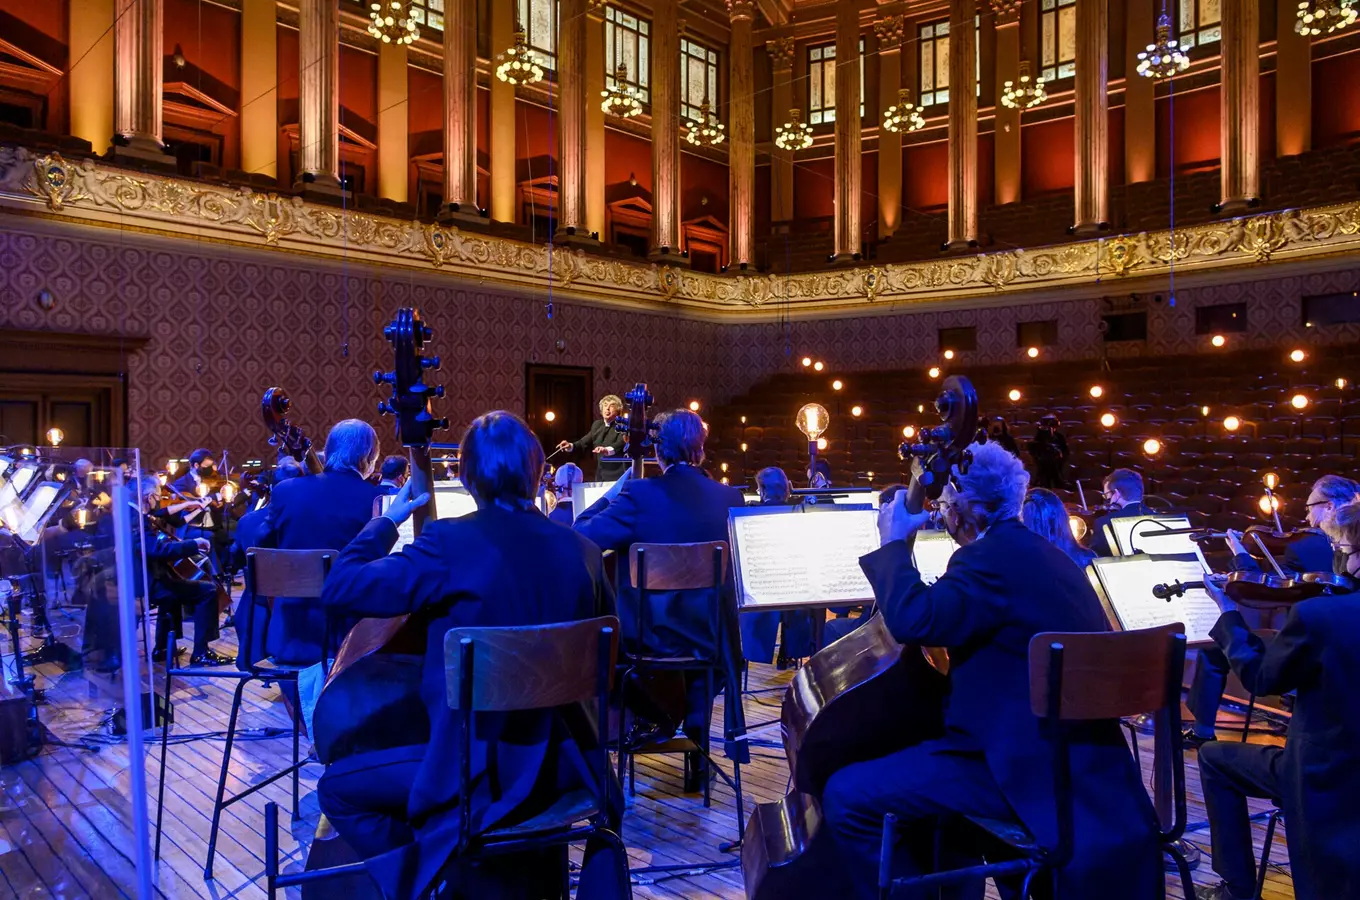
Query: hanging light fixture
{"x": 619, "y": 98}
{"x": 706, "y": 131}
{"x": 390, "y": 22}
{"x": 1025, "y": 93}
{"x": 903, "y": 116}
{"x": 794, "y": 134}
{"x": 1163, "y": 58}
{"x": 520, "y": 64}
{"x": 1316, "y": 16}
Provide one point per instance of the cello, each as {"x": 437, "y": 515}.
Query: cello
{"x": 371, "y": 697}
{"x": 833, "y": 711}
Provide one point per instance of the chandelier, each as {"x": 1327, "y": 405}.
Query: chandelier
{"x": 794, "y": 134}
{"x": 1334, "y": 14}
{"x": 619, "y": 98}
{"x": 706, "y": 130}
{"x": 391, "y": 22}
{"x": 520, "y": 64}
{"x": 1164, "y": 58}
{"x": 903, "y": 115}
{"x": 1027, "y": 93}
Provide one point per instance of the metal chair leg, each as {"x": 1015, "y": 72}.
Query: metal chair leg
{"x": 1183, "y": 868}
{"x": 165, "y": 742}
{"x": 707, "y": 738}
{"x": 297, "y": 727}
{"x": 1246, "y": 723}
{"x": 222, "y": 779}
{"x": 1265, "y": 853}
{"x": 271, "y": 848}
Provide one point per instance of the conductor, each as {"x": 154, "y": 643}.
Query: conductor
{"x": 603, "y": 440}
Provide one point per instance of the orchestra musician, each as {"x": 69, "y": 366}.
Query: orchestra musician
{"x": 251, "y": 531}
{"x": 603, "y": 440}
{"x": 1309, "y": 552}
{"x": 1004, "y": 585}
{"x": 504, "y": 565}
{"x": 1315, "y": 777}
{"x": 1123, "y": 492}
{"x": 319, "y": 512}
{"x": 393, "y": 472}
{"x": 682, "y": 505}
{"x": 566, "y": 475}
{"x": 1045, "y": 515}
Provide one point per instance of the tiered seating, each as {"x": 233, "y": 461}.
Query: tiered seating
{"x": 1202, "y": 467}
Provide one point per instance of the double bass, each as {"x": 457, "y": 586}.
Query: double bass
{"x": 846, "y": 705}
{"x": 637, "y": 427}
{"x": 371, "y": 697}
{"x": 286, "y": 436}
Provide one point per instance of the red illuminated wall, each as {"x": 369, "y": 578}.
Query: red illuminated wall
{"x": 424, "y": 110}
{"x": 700, "y": 178}
{"x": 1048, "y": 154}
{"x": 986, "y": 160}
{"x": 48, "y": 17}
{"x": 1196, "y": 135}
{"x": 359, "y": 83}
{"x": 925, "y": 176}
{"x": 814, "y": 184}
{"x": 1116, "y": 138}
{"x": 868, "y": 193}
{"x": 1336, "y": 112}
{"x": 535, "y": 131}
{"x": 625, "y": 154}
{"x": 210, "y": 38}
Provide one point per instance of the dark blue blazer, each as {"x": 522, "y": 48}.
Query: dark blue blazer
{"x": 314, "y": 512}
{"x": 495, "y": 567}
{"x": 1315, "y": 654}
{"x": 682, "y": 506}
{"x": 996, "y": 594}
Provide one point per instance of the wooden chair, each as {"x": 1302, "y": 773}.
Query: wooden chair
{"x": 1076, "y": 678}
{"x": 688, "y": 567}
{"x": 501, "y": 670}
{"x": 269, "y": 574}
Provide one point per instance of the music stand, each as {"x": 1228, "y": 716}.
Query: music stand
{"x": 1124, "y": 585}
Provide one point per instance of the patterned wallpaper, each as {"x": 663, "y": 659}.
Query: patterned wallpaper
{"x": 224, "y": 323}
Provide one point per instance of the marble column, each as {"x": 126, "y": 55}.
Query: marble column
{"x": 963, "y": 126}
{"x": 849, "y": 135}
{"x": 90, "y": 30}
{"x": 780, "y": 51}
{"x": 1293, "y": 85}
{"x": 742, "y": 155}
{"x": 460, "y": 111}
{"x": 665, "y": 86}
{"x": 319, "y": 96}
{"x": 1140, "y": 110}
{"x": 890, "y": 31}
{"x": 137, "y": 82}
{"x": 260, "y": 88}
{"x": 571, "y": 121}
{"x": 1092, "y": 117}
{"x": 595, "y": 116}
{"x": 1006, "y": 164}
{"x": 502, "y": 119}
{"x": 1240, "y": 104}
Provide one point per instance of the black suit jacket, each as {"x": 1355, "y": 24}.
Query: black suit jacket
{"x": 604, "y": 434}
{"x": 995, "y": 595}
{"x": 495, "y": 567}
{"x": 315, "y": 512}
{"x": 1317, "y": 655}
{"x": 680, "y": 507}
{"x": 1099, "y": 545}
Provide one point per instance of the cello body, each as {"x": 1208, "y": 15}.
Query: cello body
{"x": 832, "y": 717}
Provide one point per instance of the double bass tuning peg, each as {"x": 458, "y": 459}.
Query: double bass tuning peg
{"x": 439, "y": 390}
{"x": 384, "y": 377}
{"x": 429, "y": 362}
{"x": 385, "y": 408}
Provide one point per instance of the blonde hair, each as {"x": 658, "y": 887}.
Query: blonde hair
{"x": 611, "y": 400}
{"x": 1343, "y": 526}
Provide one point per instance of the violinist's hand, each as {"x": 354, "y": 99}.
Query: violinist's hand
{"x": 407, "y": 500}
{"x": 204, "y": 545}
{"x": 603, "y": 451}
{"x": 1214, "y": 588}
{"x": 563, "y": 445}
{"x": 895, "y": 523}
{"x": 1234, "y": 539}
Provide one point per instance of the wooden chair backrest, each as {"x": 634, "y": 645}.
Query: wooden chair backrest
{"x": 1107, "y": 675}
{"x": 288, "y": 573}
{"x": 530, "y": 667}
{"x": 678, "y": 567}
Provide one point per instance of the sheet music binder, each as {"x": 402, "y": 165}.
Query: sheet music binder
{"x": 1124, "y": 585}
{"x": 791, "y": 558}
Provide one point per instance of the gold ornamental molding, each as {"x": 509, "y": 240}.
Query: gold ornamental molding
{"x": 88, "y": 192}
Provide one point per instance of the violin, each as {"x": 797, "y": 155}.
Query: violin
{"x": 285, "y": 435}
{"x": 833, "y": 712}
{"x": 1258, "y": 590}
{"x": 371, "y": 697}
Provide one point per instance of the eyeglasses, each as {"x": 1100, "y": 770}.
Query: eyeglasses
{"x": 1317, "y": 503}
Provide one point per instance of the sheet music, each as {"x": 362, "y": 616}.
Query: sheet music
{"x": 1128, "y": 583}
{"x": 585, "y": 493}
{"x": 11, "y": 489}
{"x": 931, "y": 554}
{"x": 1148, "y": 539}
{"x": 451, "y": 501}
{"x": 791, "y": 558}
{"x": 36, "y": 511}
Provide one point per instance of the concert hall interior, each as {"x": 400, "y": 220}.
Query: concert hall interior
{"x": 747, "y": 449}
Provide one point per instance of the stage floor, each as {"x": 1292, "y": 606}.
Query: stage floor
{"x": 65, "y": 819}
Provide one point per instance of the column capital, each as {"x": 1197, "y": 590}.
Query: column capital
{"x": 781, "y": 52}
{"x": 595, "y": 9}
{"x": 1006, "y": 12}
{"x": 890, "y": 31}
{"x": 741, "y": 9}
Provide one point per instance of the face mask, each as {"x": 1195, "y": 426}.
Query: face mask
{"x": 205, "y": 469}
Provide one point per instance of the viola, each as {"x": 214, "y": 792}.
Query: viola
{"x": 285, "y": 435}
{"x": 371, "y": 697}
{"x": 845, "y": 705}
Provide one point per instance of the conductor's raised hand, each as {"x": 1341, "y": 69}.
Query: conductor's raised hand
{"x": 604, "y": 451}
{"x": 563, "y": 445}
{"x": 896, "y": 523}
{"x": 407, "y": 500}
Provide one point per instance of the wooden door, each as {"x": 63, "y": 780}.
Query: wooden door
{"x": 564, "y": 391}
